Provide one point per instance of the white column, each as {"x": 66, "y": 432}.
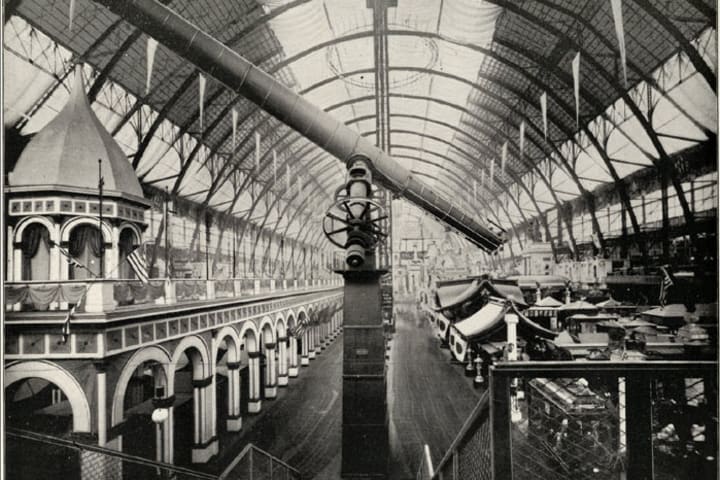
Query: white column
{"x": 311, "y": 342}
{"x": 101, "y": 380}
{"x": 234, "y": 420}
{"x": 169, "y": 436}
{"x": 204, "y": 438}
{"x": 10, "y": 253}
{"x": 293, "y": 370}
{"x": 254, "y": 402}
{"x": 282, "y": 377}
{"x": 511, "y": 320}
{"x": 112, "y": 255}
{"x": 318, "y": 339}
{"x": 305, "y": 349}
{"x": 17, "y": 264}
{"x": 270, "y": 371}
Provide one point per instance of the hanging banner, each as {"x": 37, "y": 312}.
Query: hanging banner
{"x": 274, "y": 168}
{"x": 475, "y": 189}
{"x": 151, "y": 49}
{"x": 257, "y": 150}
{"x": 234, "y": 129}
{"x": 482, "y": 178}
{"x": 287, "y": 179}
{"x": 201, "y": 86}
{"x": 503, "y": 158}
{"x": 620, "y": 33}
{"x": 543, "y": 108}
{"x": 576, "y": 87}
{"x": 299, "y": 187}
{"x": 492, "y": 171}
{"x": 522, "y": 139}
{"x": 71, "y": 15}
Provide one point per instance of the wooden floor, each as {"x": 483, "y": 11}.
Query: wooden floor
{"x": 428, "y": 401}
{"x": 302, "y": 425}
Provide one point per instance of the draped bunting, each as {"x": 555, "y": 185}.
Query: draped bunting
{"x": 135, "y": 293}
{"x": 257, "y": 150}
{"x": 234, "y": 129}
{"x": 71, "y": 15}
{"x": 41, "y": 295}
{"x": 151, "y": 49}
{"x": 522, "y": 138}
{"x": 576, "y": 87}
{"x": 503, "y": 158}
{"x": 201, "y": 85}
{"x": 190, "y": 289}
{"x": 620, "y": 33}
{"x": 543, "y": 108}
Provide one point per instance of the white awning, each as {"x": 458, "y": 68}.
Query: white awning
{"x": 485, "y": 319}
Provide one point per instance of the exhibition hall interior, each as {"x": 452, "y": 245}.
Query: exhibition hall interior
{"x": 360, "y": 239}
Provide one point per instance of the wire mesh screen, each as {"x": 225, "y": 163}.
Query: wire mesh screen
{"x": 470, "y": 457}
{"x": 684, "y": 425}
{"x": 474, "y": 457}
{"x": 576, "y": 428}
{"x": 567, "y": 428}
{"x": 39, "y": 457}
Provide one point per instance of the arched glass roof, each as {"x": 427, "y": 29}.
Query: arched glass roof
{"x": 463, "y": 76}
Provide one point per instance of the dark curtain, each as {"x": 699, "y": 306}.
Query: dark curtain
{"x": 85, "y": 247}
{"x": 85, "y": 236}
{"x": 36, "y": 253}
{"x": 125, "y": 246}
{"x": 32, "y": 236}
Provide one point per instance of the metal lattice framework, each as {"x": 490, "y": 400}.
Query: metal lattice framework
{"x": 456, "y": 111}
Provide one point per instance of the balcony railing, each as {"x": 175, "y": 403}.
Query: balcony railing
{"x": 98, "y": 296}
{"x": 253, "y": 463}
{"x": 591, "y": 420}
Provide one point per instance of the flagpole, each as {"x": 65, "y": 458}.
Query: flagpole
{"x": 101, "y": 182}
{"x": 165, "y": 222}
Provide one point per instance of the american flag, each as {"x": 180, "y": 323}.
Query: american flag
{"x": 137, "y": 263}
{"x": 666, "y": 283}
{"x": 300, "y": 328}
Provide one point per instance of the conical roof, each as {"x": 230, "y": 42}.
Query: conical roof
{"x": 63, "y": 156}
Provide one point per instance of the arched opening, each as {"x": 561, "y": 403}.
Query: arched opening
{"x": 43, "y": 398}
{"x": 86, "y": 247}
{"x": 282, "y": 352}
{"x": 268, "y": 364}
{"x": 227, "y": 383}
{"x": 190, "y": 398}
{"x": 292, "y": 347}
{"x": 302, "y": 332}
{"x": 127, "y": 242}
{"x": 250, "y": 379}
{"x": 143, "y": 437}
{"x": 35, "y": 252}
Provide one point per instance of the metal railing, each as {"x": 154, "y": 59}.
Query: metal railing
{"x": 37, "y": 456}
{"x": 425, "y": 470}
{"x": 112, "y": 294}
{"x": 591, "y": 420}
{"x": 255, "y": 464}
{"x": 469, "y": 454}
